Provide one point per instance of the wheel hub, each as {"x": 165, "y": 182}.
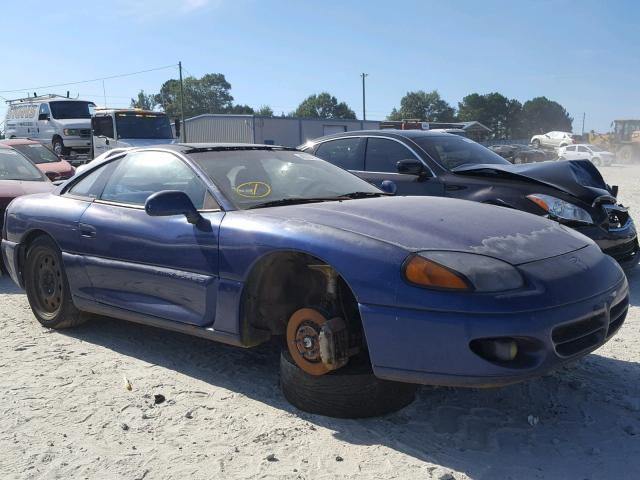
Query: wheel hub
{"x": 49, "y": 283}
{"x": 303, "y": 340}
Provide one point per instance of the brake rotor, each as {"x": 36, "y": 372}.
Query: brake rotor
{"x": 303, "y": 340}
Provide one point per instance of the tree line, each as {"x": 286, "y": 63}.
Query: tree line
{"x": 507, "y": 118}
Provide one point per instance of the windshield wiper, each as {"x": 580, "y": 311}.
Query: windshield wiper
{"x": 364, "y": 194}
{"x": 295, "y": 201}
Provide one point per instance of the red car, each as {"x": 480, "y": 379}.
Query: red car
{"x": 18, "y": 176}
{"x": 47, "y": 162}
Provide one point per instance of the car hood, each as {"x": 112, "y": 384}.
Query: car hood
{"x": 435, "y": 223}
{"x": 144, "y": 142}
{"x": 579, "y": 178}
{"x": 10, "y": 189}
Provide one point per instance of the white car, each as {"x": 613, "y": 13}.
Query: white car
{"x": 553, "y": 140}
{"x": 598, "y": 155}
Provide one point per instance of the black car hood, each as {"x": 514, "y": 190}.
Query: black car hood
{"x": 579, "y": 178}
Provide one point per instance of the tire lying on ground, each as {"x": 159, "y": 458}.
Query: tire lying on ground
{"x": 349, "y": 392}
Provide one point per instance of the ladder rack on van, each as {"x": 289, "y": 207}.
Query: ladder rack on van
{"x": 35, "y": 98}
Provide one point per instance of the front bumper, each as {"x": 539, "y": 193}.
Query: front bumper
{"x": 620, "y": 243}
{"x": 77, "y": 143}
{"x": 9, "y": 254}
{"x": 435, "y": 347}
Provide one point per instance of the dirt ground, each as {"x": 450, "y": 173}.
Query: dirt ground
{"x": 65, "y": 411}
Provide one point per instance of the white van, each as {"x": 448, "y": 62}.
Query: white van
{"x": 60, "y": 122}
{"x": 129, "y": 127}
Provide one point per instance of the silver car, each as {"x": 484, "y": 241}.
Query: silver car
{"x": 598, "y": 155}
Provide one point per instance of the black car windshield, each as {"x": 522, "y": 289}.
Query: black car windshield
{"x": 249, "y": 178}
{"x": 65, "y": 110}
{"x": 37, "y": 153}
{"x": 453, "y": 151}
{"x": 13, "y": 166}
{"x": 143, "y": 125}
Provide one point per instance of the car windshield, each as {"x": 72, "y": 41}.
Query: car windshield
{"x": 143, "y": 125}
{"x": 250, "y": 178}
{"x": 65, "y": 110}
{"x": 452, "y": 151}
{"x": 37, "y": 153}
{"x": 13, "y": 166}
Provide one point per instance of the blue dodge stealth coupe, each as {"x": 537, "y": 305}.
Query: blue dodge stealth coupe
{"x": 371, "y": 293}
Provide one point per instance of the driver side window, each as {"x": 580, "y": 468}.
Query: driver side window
{"x": 141, "y": 174}
{"x": 383, "y": 155}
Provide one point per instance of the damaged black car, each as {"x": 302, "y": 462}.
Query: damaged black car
{"x": 516, "y": 153}
{"x": 418, "y": 162}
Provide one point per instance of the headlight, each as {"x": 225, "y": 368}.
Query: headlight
{"x": 71, "y": 132}
{"x": 461, "y": 271}
{"x": 560, "y": 209}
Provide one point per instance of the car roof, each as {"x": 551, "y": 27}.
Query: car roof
{"x": 18, "y": 141}
{"x": 212, "y": 147}
{"x": 387, "y": 132}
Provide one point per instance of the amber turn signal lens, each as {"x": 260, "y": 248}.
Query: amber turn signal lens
{"x": 425, "y": 273}
{"x": 539, "y": 201}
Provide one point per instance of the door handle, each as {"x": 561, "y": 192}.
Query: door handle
{"x": 87, "y": 231}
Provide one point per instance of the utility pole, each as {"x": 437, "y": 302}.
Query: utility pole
{"x": 583, "y": 115}
{"x": 184, "y": 125}
{"x": 364, "y": 109}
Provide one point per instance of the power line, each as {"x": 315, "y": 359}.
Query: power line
{"x": 29, "y": 89}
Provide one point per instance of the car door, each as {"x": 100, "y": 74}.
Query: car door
{"x": 382, "y": 155}
{"x": 163, "y": 267}
{"x": 45, "y": 128}
{"x": 103, "y": 134}
{"x": 583, "y": 153}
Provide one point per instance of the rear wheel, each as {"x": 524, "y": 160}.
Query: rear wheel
{"x": 625, "y": 154}
{"x": 536, "y": 143}
{"x": 47, "y": 287}
{"x": 519, "y": 159}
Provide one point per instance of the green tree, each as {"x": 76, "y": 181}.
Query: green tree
{"x": 494, "y": 110}
{"x": 425, "y": 106}
{"x": 323, "y": 105}
{"x": 240, "y": 110}
{"x": 540, "y": 115}
{"x": 144, "y": 101}
{"x": 265, "y": 111}
{"x": 209, "y": 94}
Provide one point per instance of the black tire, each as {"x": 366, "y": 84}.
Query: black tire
{"x": 58, "y": 146}
{"x": 519, "y": 160}
{"x": 47, "y": 286}
{"x": 349, "y": 392}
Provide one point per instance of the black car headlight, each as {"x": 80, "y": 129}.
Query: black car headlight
{"x": 461, "y": 271}
{"x": 560, "y": 209}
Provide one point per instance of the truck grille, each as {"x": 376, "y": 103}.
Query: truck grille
{"x": 85, "y": 132}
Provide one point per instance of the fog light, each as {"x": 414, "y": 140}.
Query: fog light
{"x": 502, "y": 349}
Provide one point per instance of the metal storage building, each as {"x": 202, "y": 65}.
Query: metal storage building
{"x": 289, "y": 132}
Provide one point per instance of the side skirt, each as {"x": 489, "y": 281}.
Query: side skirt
{"x": 122, "y": 314}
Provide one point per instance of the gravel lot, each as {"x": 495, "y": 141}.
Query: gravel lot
{"x": 66, "y": 412}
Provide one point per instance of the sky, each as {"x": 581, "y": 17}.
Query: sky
{"x": 583, "y": 54}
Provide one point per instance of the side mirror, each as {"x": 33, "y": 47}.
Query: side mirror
{"x": 410, "y": 166}
{"x": 176, "y": 122}
{"x": 53, "y": 176}
{"x": 172, "y": 202}
{"x": 43, "y": 116}
{"x": 389, "y": 187}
